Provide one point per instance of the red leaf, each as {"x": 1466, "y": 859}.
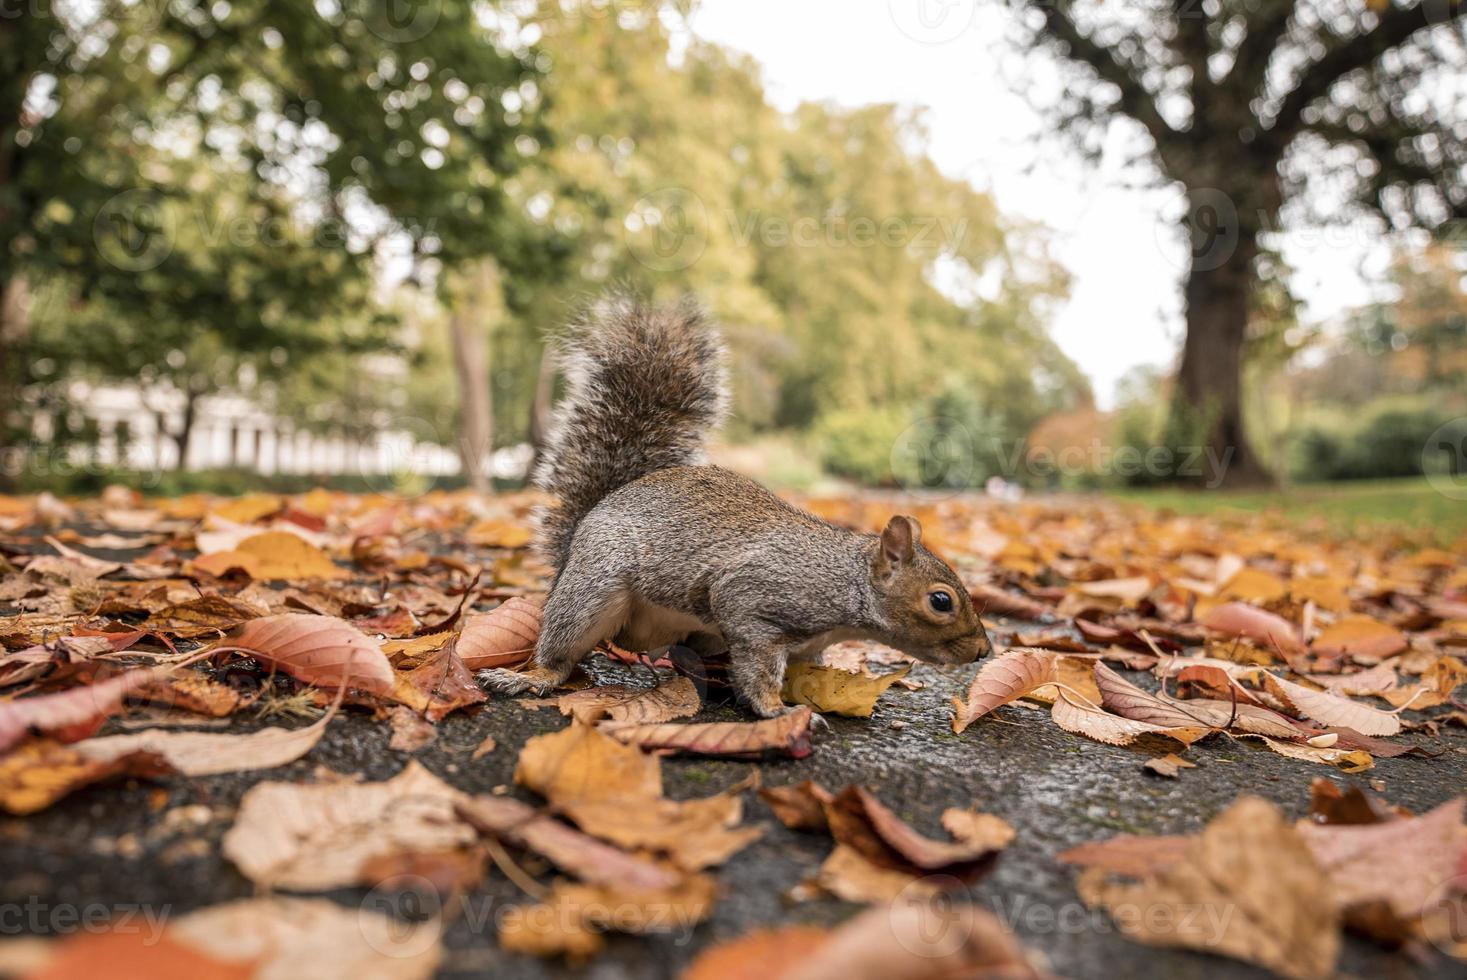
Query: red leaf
{"x": 317, "y": 650}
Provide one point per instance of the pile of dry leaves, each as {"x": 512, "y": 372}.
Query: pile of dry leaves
{"x": 160, "y": 620}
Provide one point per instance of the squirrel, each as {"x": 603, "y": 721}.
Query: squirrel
{"x": 651, "y": 546}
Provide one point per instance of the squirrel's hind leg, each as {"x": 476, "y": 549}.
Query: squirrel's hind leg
{"x": 580, "y": 613}
{"x": 756, "y": 662}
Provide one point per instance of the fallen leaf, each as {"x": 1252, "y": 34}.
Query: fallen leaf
{"x": 1169, "y": 765}
{"x": 581, "y": 763}
{"x": 978, "y": 829}
{"x": 410, "y": 732}
{"x": 1016, "y": 673}
{"x": 677, "y": 698}
{"x": 799, "y": 807}
{"x": 841, "y": 692}
{"x": 1331, "y": 709}
{"x": 1128, "y": 590}
{"x": 1404, "y": 862}
{"x": 315, "y": 838}
{"x": 1131, "y": 855}
{"x": 210, "y": 753}
{"x": 317, "y": 650}
{"x": 861, "y": 821}
{"x": 1360, "y": 636}
{"x": 787, "y": 734}
{"x": 906, "y": 941}
{"x": 42, "y": 771}
{"x": 1074, "y": 715}
{"x": 280, "y": 938}
{"x": 126, "y": 953}
{"x": 73, "y": 713}
{"x": 1348, "y": 760}
{"x": 1261, "y": 896}
{"x": 284, "y": 555}
{"x": 521, "y": 825}
{"x": 1241, "y": 619}
{"x": 503, "y": 637}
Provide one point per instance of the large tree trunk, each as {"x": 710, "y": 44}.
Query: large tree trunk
{"x": 471, "y": 363}
{"x": 1207, "y": 422}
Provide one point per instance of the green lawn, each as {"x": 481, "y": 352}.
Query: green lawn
{"x": 1348, "y": 508}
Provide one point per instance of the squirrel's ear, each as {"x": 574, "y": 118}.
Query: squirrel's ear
{"x": 900, "y": 539}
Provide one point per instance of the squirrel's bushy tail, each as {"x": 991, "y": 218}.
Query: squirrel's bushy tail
{"x": 644, "y": 386}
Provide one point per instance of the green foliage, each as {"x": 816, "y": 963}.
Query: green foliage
{"x": 1386, "y": 443}
{"x": 857, "y": 443}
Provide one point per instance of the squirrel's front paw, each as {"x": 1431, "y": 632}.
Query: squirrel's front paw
{"x": 502, "y": 681}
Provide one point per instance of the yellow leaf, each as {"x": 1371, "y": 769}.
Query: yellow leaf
{"x": 836, "y": 691}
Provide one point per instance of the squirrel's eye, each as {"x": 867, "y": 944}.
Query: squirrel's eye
{"x": 940, "y": 601}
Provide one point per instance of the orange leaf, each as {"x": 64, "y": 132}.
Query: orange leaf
{"x": 317, "y": 650}
{"x": 503, "y": 637}
{"x": 1016, "y": 673}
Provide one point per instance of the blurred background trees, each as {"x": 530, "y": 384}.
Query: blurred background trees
{"x": 1262, "y": 110}
{"x": 356, "y": 221}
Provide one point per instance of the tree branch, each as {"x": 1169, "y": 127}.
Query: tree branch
{"x": 1396, "y": 26}
{"x": 1136, "y": 101}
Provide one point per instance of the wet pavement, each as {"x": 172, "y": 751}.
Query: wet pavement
{"x": 114, "y": 846}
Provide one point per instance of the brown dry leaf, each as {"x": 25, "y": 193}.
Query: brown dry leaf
{"x": 283, "y": 555}
{"x": 850, "y": 876}
{"x": 1241, "y": 619}
{"x": 1016, "y": 673}
{"x": 410, "y": 731}
{"x": 317, "y": 650}
{"x": 484, "y": 748}
{"x": 861, "y": 821}
{"x": 439, "y": 685}
{"x": 580, "y": 763}
{"x": 758, "y": 955}
{"x": 1404, "y": 863}
{"x": 211, "y": 753}
{"x": 503, "y": 637}
{"x": 1261, "y": 896}
{"x": 521, "y": 825}
{"x": 677, "y": 698}
{"x": 282, "y": 938}
{"x": 71, "y": 714}
{"x": 1348, "y": 760}
{"x": 1074, "y": 715}
{"x": 1377, "y": 680}
{"x": 1132, "y": 855}
{"x": 1129, "y": 701}
{"x": 906, "y": 941}
{"x": 315, "y": 838}
{"x": 692, "y": 834}
{"x": 978, "y": 829}
{"x": 992, "y": 601}
{"x": 1332, "y": 709}
{"x": 568, "y": 922}
{"x": 787, "y": 734}
{"x": 495, "y": 532}
{"x": 1438, "y": 684}
{"x": 1360, "y": 636}
{"x": 1169, "y": 765}
{"x": 120, "y": 953}
{"x": 191, "y": 691}
{"x": 801, "y": 806}
{"x": 1128, "y": 590}
{"x": 205, "y": 615}
{"x": 41, "y": 772}
{"x": 841, "y": 692}
{"x": 1254, "y": 585}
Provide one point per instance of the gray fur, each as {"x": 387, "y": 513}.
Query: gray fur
{"x": 652, "y": 549}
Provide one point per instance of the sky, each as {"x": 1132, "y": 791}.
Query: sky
{"x": 947, "y": 57}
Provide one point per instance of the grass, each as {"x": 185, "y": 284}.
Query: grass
{"x": 1354, "y": 508}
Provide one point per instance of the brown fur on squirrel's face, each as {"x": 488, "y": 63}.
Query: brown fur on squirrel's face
{"x": 928, "y": 610}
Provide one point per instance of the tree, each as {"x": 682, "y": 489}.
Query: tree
{"x": 1245, "y": 105}
{"x": 237, "y": 169}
